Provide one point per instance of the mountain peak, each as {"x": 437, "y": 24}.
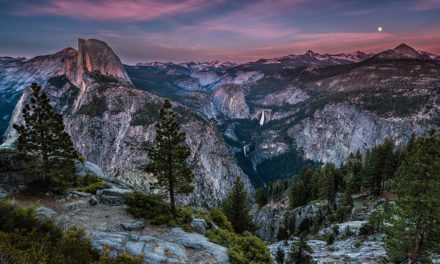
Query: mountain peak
{"x": 310, "y": 53}
{"x": 95, "y": 56}
{"x": 403, "y": 51}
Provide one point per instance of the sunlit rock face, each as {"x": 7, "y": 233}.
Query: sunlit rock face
{"x": 95, "y": 56}
{"x": 111, "y": 123}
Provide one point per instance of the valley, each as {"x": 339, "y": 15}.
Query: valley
{"x": 264, "y": 123}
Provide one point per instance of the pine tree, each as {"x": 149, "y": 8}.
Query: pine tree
{"x": 284, "y": 230}
{"x": 346, "y": 204}
{"x": 328, "y": 184}
{"x": 418, "y": 203}
{"x": 168, "y": 157}
{"x": 42, "y": 138}
{"x": 236, "y": 208}
{"x": 380, "y": 165}
{"x": 301, "y": 252}
{"x": 260, "y": 197}
{"x": 301, "y": 189}
{"x": 297, "y": 194}
{"x": 307, "y": 176}
{"x": 353, "y": 167}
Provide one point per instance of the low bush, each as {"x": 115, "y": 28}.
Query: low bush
{"x": 242, "y": 249}
{"x": 90, "y": 184}
{"x": 366, "y": 229}
{"x": 154, "y": 208}
{"x": 217, "y": 217}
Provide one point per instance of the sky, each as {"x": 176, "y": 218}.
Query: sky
{"x": 226, "y": 30}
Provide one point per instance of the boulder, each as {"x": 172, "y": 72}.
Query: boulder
{"x": 199, "y": 225}
{"x": 93, "y": 200}
{"x": 88, "y": 168}
{"x": 114, "y": 196}
{"x": 133, "y": 225}
{"x": 175, "y": 246}
{"x": 45, "y": 212}
{"x": 111, "y": 200}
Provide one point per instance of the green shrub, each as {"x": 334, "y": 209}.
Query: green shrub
{"x": 242, "y": 249}
{"x": 155, "y": 209}
{"x": 221, "y": 236}
{"x": 366, "y": 229}
{"x": 92, "y": 188}
{"x": 143, "y": 205}
{"x": 219, "y": 218}
{"x": 90, "y": 184}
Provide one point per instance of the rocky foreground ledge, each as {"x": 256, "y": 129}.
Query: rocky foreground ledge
{"x": 110, "y": 227}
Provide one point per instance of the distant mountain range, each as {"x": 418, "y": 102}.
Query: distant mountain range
{"x": 269, "y": 117}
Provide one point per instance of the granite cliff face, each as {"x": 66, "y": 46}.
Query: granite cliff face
{"x": 18, "y": 73}
{"x": 111, "y": 123}
{"x": 337, "y": 130}
{"x": 228, "y": 101}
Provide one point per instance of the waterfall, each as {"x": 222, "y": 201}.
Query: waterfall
{"x": 262, "y": 118}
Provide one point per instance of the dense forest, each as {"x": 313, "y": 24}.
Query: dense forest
{"x": 408, "y": 176}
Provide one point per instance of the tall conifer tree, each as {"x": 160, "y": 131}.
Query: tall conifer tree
{"x": 168, "y": 157}
{"x": 236, "y": 208}
{"x": 42, "y": 137}
{"x": 417, "y": 214}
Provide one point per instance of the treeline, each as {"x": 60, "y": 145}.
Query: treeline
{"x": 411, "y": 221}
{"x": 368, "y": 173}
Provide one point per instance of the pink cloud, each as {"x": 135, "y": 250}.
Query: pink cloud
{"x": 426, "y": 5}
{"x": 336, "y": 43}
{"x": 103, "y": 10}
{"x": 255, "y": 20}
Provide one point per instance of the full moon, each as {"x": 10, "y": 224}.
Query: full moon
{"x": 379, "y": 29}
